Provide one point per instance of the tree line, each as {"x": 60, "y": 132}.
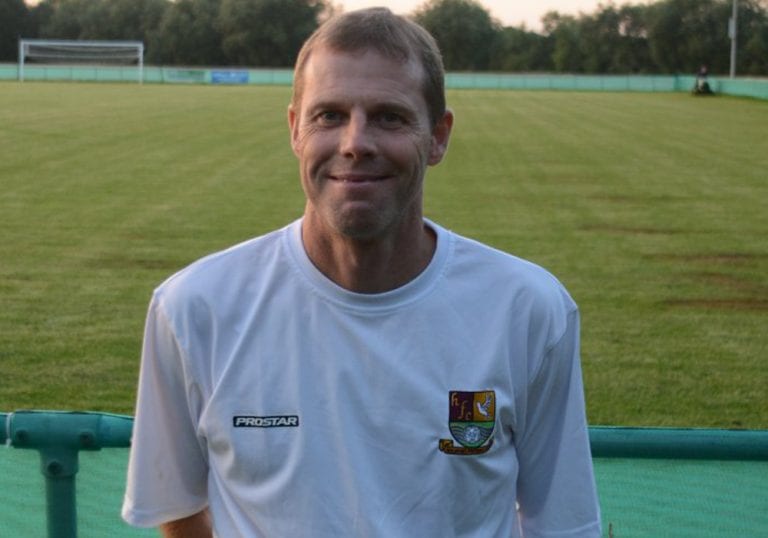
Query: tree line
{"x": 667, "y": 36}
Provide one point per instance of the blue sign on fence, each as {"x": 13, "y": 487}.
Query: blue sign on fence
{"x": 229, "y": 77}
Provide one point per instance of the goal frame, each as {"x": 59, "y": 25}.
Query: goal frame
{"x": 138, "y": 46}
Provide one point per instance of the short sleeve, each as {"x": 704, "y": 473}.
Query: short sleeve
{"x": 167, "y": 470}
{"x": 556, "y": 488}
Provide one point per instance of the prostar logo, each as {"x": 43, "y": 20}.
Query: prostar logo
{"x": 276, "y": 421}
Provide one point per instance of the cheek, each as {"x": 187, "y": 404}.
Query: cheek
{"x": 310, "y": 149}
{"x": 319, "y": 140}
{"x": 299, "y": 138}
{"x": 418, "y": 150}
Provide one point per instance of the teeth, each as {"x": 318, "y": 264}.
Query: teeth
{"x": 356, "y": 179}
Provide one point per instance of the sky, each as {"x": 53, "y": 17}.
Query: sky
{"x": 509, "y": 12}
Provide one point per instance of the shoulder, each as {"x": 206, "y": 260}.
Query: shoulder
{"x": 224, "y": 273}
{"x": 482, "y": 263}
{"x": 513, "y": 286}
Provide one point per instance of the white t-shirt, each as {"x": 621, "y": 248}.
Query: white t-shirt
{"x": 294, "y": 408}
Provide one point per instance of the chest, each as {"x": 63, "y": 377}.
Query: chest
{"x": 404, "y": 407}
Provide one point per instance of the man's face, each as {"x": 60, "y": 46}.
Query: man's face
{"x": 363, "y": 137}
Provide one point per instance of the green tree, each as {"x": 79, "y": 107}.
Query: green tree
{"x": 600, "y": 40}
{"x": 463, "y": 29}
{"x": 188, "y": 35}
{"x": 666, "y": 36}
{"x": 266, "y": 33}
{"x": 752, "y": 54}
{"x": 14, "y": 21}
{"x": 634, "y": 55}
{"x": 565, "y": 31}
{"x": 39, "y": 15}
{"x": 614, "y": 40}
{"x": 684, "y": 34}
{"x": 132, "y": 19}
{"x": 69, "y": 19}
{"x": 518, "y": 49}
{"x": 100, "y": 19}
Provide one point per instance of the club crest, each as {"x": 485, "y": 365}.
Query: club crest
{"x": 471, "y": 419}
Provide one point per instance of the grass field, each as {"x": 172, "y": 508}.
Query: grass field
{"x": 651, "y": 208}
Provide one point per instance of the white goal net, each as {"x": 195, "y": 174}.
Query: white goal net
{"x": 61, "y": 52}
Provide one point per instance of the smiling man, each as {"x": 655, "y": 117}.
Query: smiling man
{"x": 363, "y": 372}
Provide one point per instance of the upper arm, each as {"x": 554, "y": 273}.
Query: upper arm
{"x": 167, "y": 469}
{"x": 195, "y": 526}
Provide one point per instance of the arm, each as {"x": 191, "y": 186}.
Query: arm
{"x": 556, "y": 487}
{"x": 167, "y": 468}
{"x": 195, "y": 526}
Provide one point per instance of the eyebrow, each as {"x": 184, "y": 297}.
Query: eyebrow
{"x": 376, "y": 107}
{"x": 322, "y": 105}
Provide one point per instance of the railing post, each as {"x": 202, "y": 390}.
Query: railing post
{"x": 59, "y": 467}
{"x": 59, "y": 437}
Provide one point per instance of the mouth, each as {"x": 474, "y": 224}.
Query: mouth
{"x": 354, "y": 177}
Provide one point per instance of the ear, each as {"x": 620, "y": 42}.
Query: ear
{"x": 293, "y": 126}
{"x": 441, "y": 133}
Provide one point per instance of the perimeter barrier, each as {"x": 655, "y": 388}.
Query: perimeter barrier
{"x": 745, "y": 87}
{"x": 62, "y": 475}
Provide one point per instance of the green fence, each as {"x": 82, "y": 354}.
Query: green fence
{"x": 746, "y": 87}
{"x": 62, "y": 475}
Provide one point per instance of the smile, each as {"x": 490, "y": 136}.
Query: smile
{"x": 357, "y": 178}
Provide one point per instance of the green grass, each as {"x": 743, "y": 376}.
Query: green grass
{"x": 649, "y": 207}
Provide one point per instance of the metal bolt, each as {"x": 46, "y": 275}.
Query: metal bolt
{"x": 87, "y": 439}
{"x": 22, "y": 436}
{"x": 54, "y": 468}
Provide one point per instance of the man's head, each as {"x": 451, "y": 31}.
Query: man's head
{"x": 362, "y": 125}
{"x": 392, "y": 36}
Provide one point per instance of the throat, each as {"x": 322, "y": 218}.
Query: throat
{"x": 371, "y": 266}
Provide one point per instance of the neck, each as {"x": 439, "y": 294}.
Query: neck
{"x": 371, "y": 265}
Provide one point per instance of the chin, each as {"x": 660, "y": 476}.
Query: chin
{"x": 361, "y": 233}
{"x": 362, "y": 227}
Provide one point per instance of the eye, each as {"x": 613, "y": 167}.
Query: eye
{"x": 328, "y": 118}
{"x": 390, "y": 120}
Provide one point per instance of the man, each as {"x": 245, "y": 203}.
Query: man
{"x": 363, "y": 372}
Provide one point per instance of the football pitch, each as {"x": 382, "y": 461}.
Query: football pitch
{"x": 651, "y": 208}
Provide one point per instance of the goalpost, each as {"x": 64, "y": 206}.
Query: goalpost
{"x": 67, "y": 52}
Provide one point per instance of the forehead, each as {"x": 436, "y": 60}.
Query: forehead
{"x": 331, "y": 75}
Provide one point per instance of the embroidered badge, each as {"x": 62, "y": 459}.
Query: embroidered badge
{"x": 471, "y": 418}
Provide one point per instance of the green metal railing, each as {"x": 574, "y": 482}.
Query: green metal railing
{"x": 60, "y": 436}
{"x": 679, "y": 444}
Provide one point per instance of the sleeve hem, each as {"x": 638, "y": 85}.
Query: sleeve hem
{"x": 590, "y": 530}
{"x": 155, "y": 518}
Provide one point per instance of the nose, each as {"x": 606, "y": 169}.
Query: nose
{"x": 357, "y": 140}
